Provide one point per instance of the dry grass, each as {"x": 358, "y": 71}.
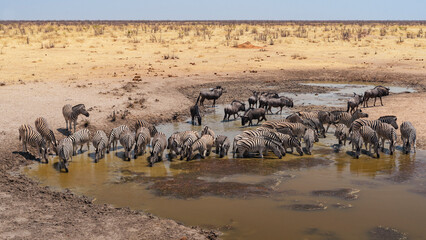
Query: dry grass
{"x": 51, "y": 46}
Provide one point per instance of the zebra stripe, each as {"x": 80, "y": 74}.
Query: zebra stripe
{"x": 159, "y": 144}
{"x": 341, "y": 133}
{"x": 289, "y": 141}
{"x": 143, "y": 138}
{"x": 348, "y": 118}
{"x": 408, "y": 136}
{"x": 65, "y": 150}
{"x": 142, "y": 123}
{"x": 27, "y": 135}
{"x": 127, "y": 140}
{"x": 71, "y": 114}
{"x": 355, "y": 140}
{"x": 79, "y": 138}
{"x": 310, "y": 137}
{"x": 222, "y": 145}
{"x": 114, "y": 136}
{"x": 202, "y": 145}
{"x": 298, "y": 129}
{"x": 387, "y": 132}
{"x": 258, "y": 144}
{"x": 43, "y": 128}
{"x": 370, "y": 138}
{"x": 207, "y": 130}
{"x": 100, "y": 142}
{"x": 390, "y": 119}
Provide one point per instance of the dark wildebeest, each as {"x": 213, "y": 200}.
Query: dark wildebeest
{"x": 212, "y": 94}
{"x": 195, "y": 113}
{"x": 264, "y": 98}
{"x": 354, "y": 102}
{"x": 256, "y": 113}
{"x": 253, "y": 99}
{"x": 377, "y": 92}
{"x": 233, "y": 109}
{"x": 278, "y": 102}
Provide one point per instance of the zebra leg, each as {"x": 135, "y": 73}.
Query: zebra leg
{"x": 24, "y": 147}
{"x": 66, "y": 124}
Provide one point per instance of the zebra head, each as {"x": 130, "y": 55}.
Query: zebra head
{"x": 80, "y": 108}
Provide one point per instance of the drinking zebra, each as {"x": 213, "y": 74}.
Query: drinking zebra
{"x": 27, "y": 135}
{"x": 341, "y": 133}
{"x": 46, "y": 132}
{"x": 143, "y": 138}
{"x": 79, "y": 138}
{"x": 347, "y": 118}
{"x": 207, "y": 131}
{"x": 143, "y": 123}
{"x": 114, "y": 136}
{"x": 258, "y": 144}
{"x": 71, "y": 114}
{"x": 100, "y": 142}
{"x": 355, "y": 140}
{"x": 222, "y": 144}
{"x": 127, "y": 140}
{"x": 65, "y": 151}
{"x": 370, "y": 139}
{"x": 159, "y": 144}
{"x": 202, "y": 145}
{"x": 408, "y": 137}
{"x": 310, "y": 137}
{"x": 387, "y": 132}
{"x": 357, "y": 124}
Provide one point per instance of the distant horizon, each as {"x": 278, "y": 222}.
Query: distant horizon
{"x": 219, "y": 10}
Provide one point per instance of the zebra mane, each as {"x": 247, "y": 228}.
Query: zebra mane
{"x": 78, "y": 107}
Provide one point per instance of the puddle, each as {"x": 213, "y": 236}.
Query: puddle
{"x": 326, "y": 195}
{"x": 337, "y": 97}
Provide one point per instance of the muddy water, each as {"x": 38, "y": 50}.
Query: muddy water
{"x": 328, "y": 195}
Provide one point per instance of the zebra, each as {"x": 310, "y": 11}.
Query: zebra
{"x": 159, "y": 144}
{"x": 174, "y": 144}
{"x": 408, "y": 137}
{"x": 79, "y": 138}
{"x": 65, "y": 150}
{"x": 289, "y": 141}
{"x": 127, "y": 140}
{"x": 370, "y": 138}
{"x": 341, "y": 133}
{"x": 222, "y": 144}
{"x": 114, "y": 136}
{"x": 354, "y": 103}
{"x": 142, "y": 123}
{"x": 43, "y": 128}
{"x": 207, "y": 131}
{"x": 315, "y": 124}
{"x": 143, "y": 138}
{"x": 254, "y": 133}
{"x": 377, "y": 92}
{"x": 71, "y": 114}
{"x": 310, "y": 137}
{"x": 100, "y": 142}
{"x": 323, "y": 117}
{"x": 356, "y": 141}
{"x": 187, "y": 139}
{"x": 233, "y": 109}
{"x": 347, "y": 118}
{"x": 387, "y": 132}
{"x": 357, "y": 124}
{"x": 27, "y": 135}
{"x": 202, "y": 145}
{"x": 390, "y": 119}
{"x": 258, "y": 144}
{"x": 298, "y": 129}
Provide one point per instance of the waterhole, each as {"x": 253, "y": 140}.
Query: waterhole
{"x": 326, "y": 195}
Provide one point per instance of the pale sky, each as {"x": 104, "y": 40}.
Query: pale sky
{"x": 213, "y": 10}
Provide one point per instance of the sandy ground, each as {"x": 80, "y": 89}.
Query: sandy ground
{"x": 99, "y": 71}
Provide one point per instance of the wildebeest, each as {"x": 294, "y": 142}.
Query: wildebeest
{"x": 256, "y": 113}
{"x": 377, "y": 92}
{"x": 195, "y": 113}
{"x": 211, "y": 94}
{"x": 253, "y": 99}
{"x": 233, "y": 109}
{"x": 354, "y": 102}
{"x": 278, "y": 102}
{"x": 264, "y": 96}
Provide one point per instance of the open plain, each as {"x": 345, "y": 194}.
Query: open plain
{"x": 154, "y": 71}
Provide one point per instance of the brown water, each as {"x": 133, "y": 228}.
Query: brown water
{"x": 327, "y": 195}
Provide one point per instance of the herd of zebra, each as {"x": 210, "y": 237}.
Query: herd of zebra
{"x": 277, "y": 135}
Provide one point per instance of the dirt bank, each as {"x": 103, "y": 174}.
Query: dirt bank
{"x": 32, "y": 211}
